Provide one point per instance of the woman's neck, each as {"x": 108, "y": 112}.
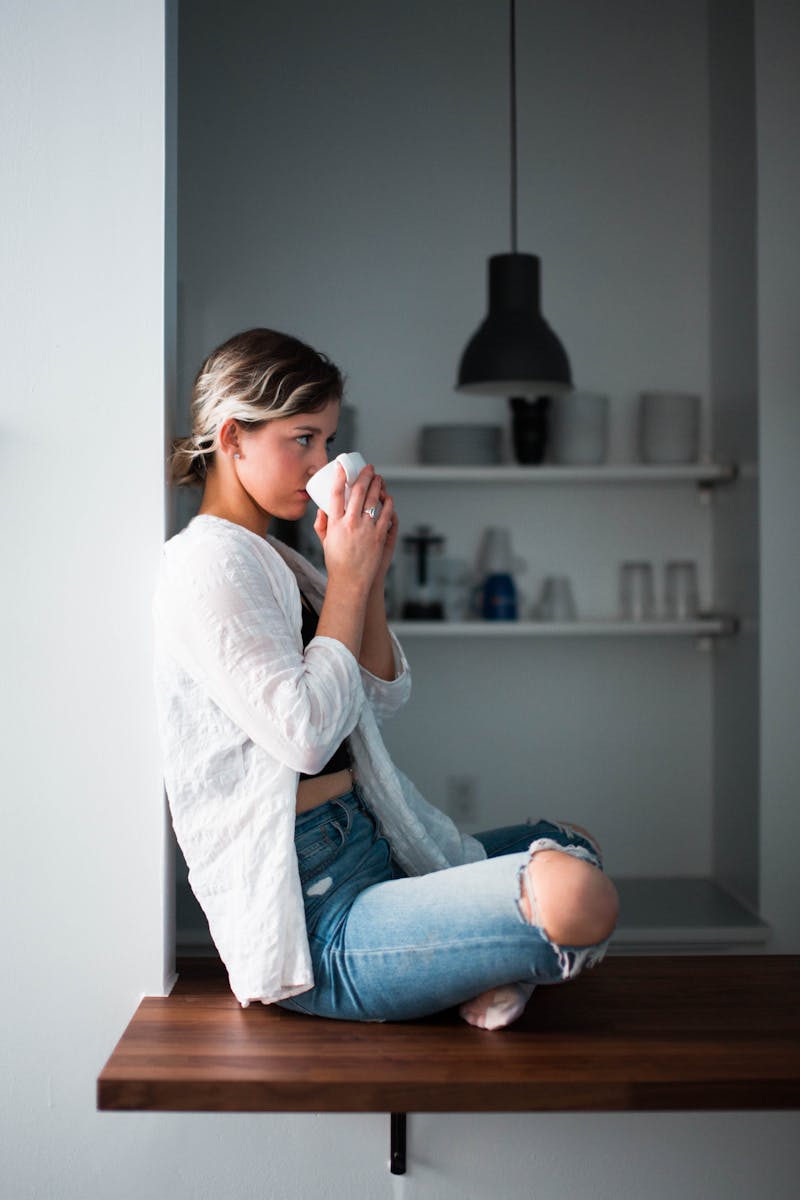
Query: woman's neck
{"x": 239, "y": 508}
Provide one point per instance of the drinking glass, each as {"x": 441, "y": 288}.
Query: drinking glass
{"x": 680, "y": 591}
{"x": 636, "y": 591}
{"x": 556, "y": 600}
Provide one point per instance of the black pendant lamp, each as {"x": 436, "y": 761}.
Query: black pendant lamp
{"x": 514, "y": 351}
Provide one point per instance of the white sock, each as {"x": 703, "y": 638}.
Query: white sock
{"x": 498, "y": 1007}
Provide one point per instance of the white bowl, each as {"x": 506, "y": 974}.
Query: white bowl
{"x": 462, "y": 445}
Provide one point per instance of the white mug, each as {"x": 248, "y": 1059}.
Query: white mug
{"x": 669, "y": 427}
{"x": 320, "y": 485}
{"x": 579, "y": 428}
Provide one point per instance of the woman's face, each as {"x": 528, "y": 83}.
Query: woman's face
{"x": 278, "y": 459}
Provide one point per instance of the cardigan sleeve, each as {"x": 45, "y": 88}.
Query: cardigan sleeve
{"x": 387, "y": 696}
{"x": 229, "y": 620}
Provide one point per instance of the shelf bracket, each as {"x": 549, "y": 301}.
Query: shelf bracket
{"x": 706, "y": 487}
{"x": 730, "y": 627}
{"x": 397, "y": 1143}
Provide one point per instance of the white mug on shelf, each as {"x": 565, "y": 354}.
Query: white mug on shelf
{"x": 669, "y": 427}
{"x": 579, "y": 428}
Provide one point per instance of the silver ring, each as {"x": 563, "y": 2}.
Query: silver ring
{"x": 372, "y": 512}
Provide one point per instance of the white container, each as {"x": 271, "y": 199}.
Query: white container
{"x": 579, "y": 428}
{"x": 669, "y": 427}
{"x": 454, "y": 582}
{"x": 319, "y": 486}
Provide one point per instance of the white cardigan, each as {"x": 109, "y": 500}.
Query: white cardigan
{"x": 243, "y": 709}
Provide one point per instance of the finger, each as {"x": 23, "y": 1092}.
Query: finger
{"x": 320, "y": 525}
{"x": 336, "y": 507}
{"x": 395, "y": 525}
{"x": 358, "y": 492}
{"x": 372, "y": 498}
{"x": 386, "y": 517}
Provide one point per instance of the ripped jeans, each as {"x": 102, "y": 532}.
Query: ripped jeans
{"x": 388, "y": 947}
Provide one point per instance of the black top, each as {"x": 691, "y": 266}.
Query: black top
{"x": 340, "y": 759}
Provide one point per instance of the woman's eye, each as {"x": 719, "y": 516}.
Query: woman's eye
{"x": 304, "y": 439}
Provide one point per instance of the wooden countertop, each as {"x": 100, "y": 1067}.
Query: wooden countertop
{"x": 634, "y": 1034}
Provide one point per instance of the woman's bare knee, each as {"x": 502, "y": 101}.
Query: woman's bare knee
{"x": 572, "y": 900}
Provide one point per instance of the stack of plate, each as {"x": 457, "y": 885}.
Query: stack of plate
{"x": 462, "y": 445}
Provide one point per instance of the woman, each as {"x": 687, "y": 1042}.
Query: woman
{"x": 330, "y": 885}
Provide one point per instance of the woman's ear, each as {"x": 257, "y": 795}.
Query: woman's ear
{"x": 229, "y": 438}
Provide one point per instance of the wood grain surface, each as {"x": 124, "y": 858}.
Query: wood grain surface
{"x": 634, "y": 1034}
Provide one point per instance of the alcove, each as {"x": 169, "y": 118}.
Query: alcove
{"x": 337, "y": 212}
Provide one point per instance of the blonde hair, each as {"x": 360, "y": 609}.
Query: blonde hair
{"x": 253, "y": 377}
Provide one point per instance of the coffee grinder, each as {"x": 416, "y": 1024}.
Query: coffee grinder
{"x": 421, "y": 602}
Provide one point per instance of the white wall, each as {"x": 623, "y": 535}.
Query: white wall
{"x": 81, "y": 438}
{"x": 82, "y": 853}
{"x": 344, "y": 170}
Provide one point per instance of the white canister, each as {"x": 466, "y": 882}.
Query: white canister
{"x": 669, "y": 427}
{"x": 579, "y": 428}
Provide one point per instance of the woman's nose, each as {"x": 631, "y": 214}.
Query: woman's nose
{"x": 320, "y": 460}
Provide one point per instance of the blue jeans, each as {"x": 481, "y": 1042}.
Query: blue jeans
{"x": 388, "y": 947}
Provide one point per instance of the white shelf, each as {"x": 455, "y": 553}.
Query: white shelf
{"x": 684, "y": 914}
{"x": 702, "y": 474}
{"x": 705, "y": 627}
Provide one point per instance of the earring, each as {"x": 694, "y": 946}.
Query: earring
{"x": 237, "y": 455}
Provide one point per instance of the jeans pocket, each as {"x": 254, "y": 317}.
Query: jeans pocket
{"x": 317, "y": 849}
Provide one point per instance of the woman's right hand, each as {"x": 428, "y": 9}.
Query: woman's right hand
{"x": 353, "y": 543}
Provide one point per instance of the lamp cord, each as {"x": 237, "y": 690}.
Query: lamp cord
{"x": 513, "y": 124}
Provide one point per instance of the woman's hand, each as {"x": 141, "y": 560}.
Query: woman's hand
{"x": 356, "y": 547}
{"x": 358, "y": 550}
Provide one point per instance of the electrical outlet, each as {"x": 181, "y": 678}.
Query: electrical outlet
{"x": 462, "y": 796}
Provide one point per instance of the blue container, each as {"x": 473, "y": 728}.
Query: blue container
{"x": 499, "y": 598}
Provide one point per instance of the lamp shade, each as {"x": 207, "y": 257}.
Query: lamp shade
{"x": 514, "y": 351}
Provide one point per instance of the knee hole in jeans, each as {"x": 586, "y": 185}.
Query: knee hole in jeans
{"x": 568, "y": 897}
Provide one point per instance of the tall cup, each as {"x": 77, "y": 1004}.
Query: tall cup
{"x": 637, "y": 599}
{"x": 681, "y": 601}
{"x": 669, "y": 427}
{"x": 579, "y": 428}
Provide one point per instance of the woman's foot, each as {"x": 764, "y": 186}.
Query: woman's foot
{"x": 498, "y": 1007}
